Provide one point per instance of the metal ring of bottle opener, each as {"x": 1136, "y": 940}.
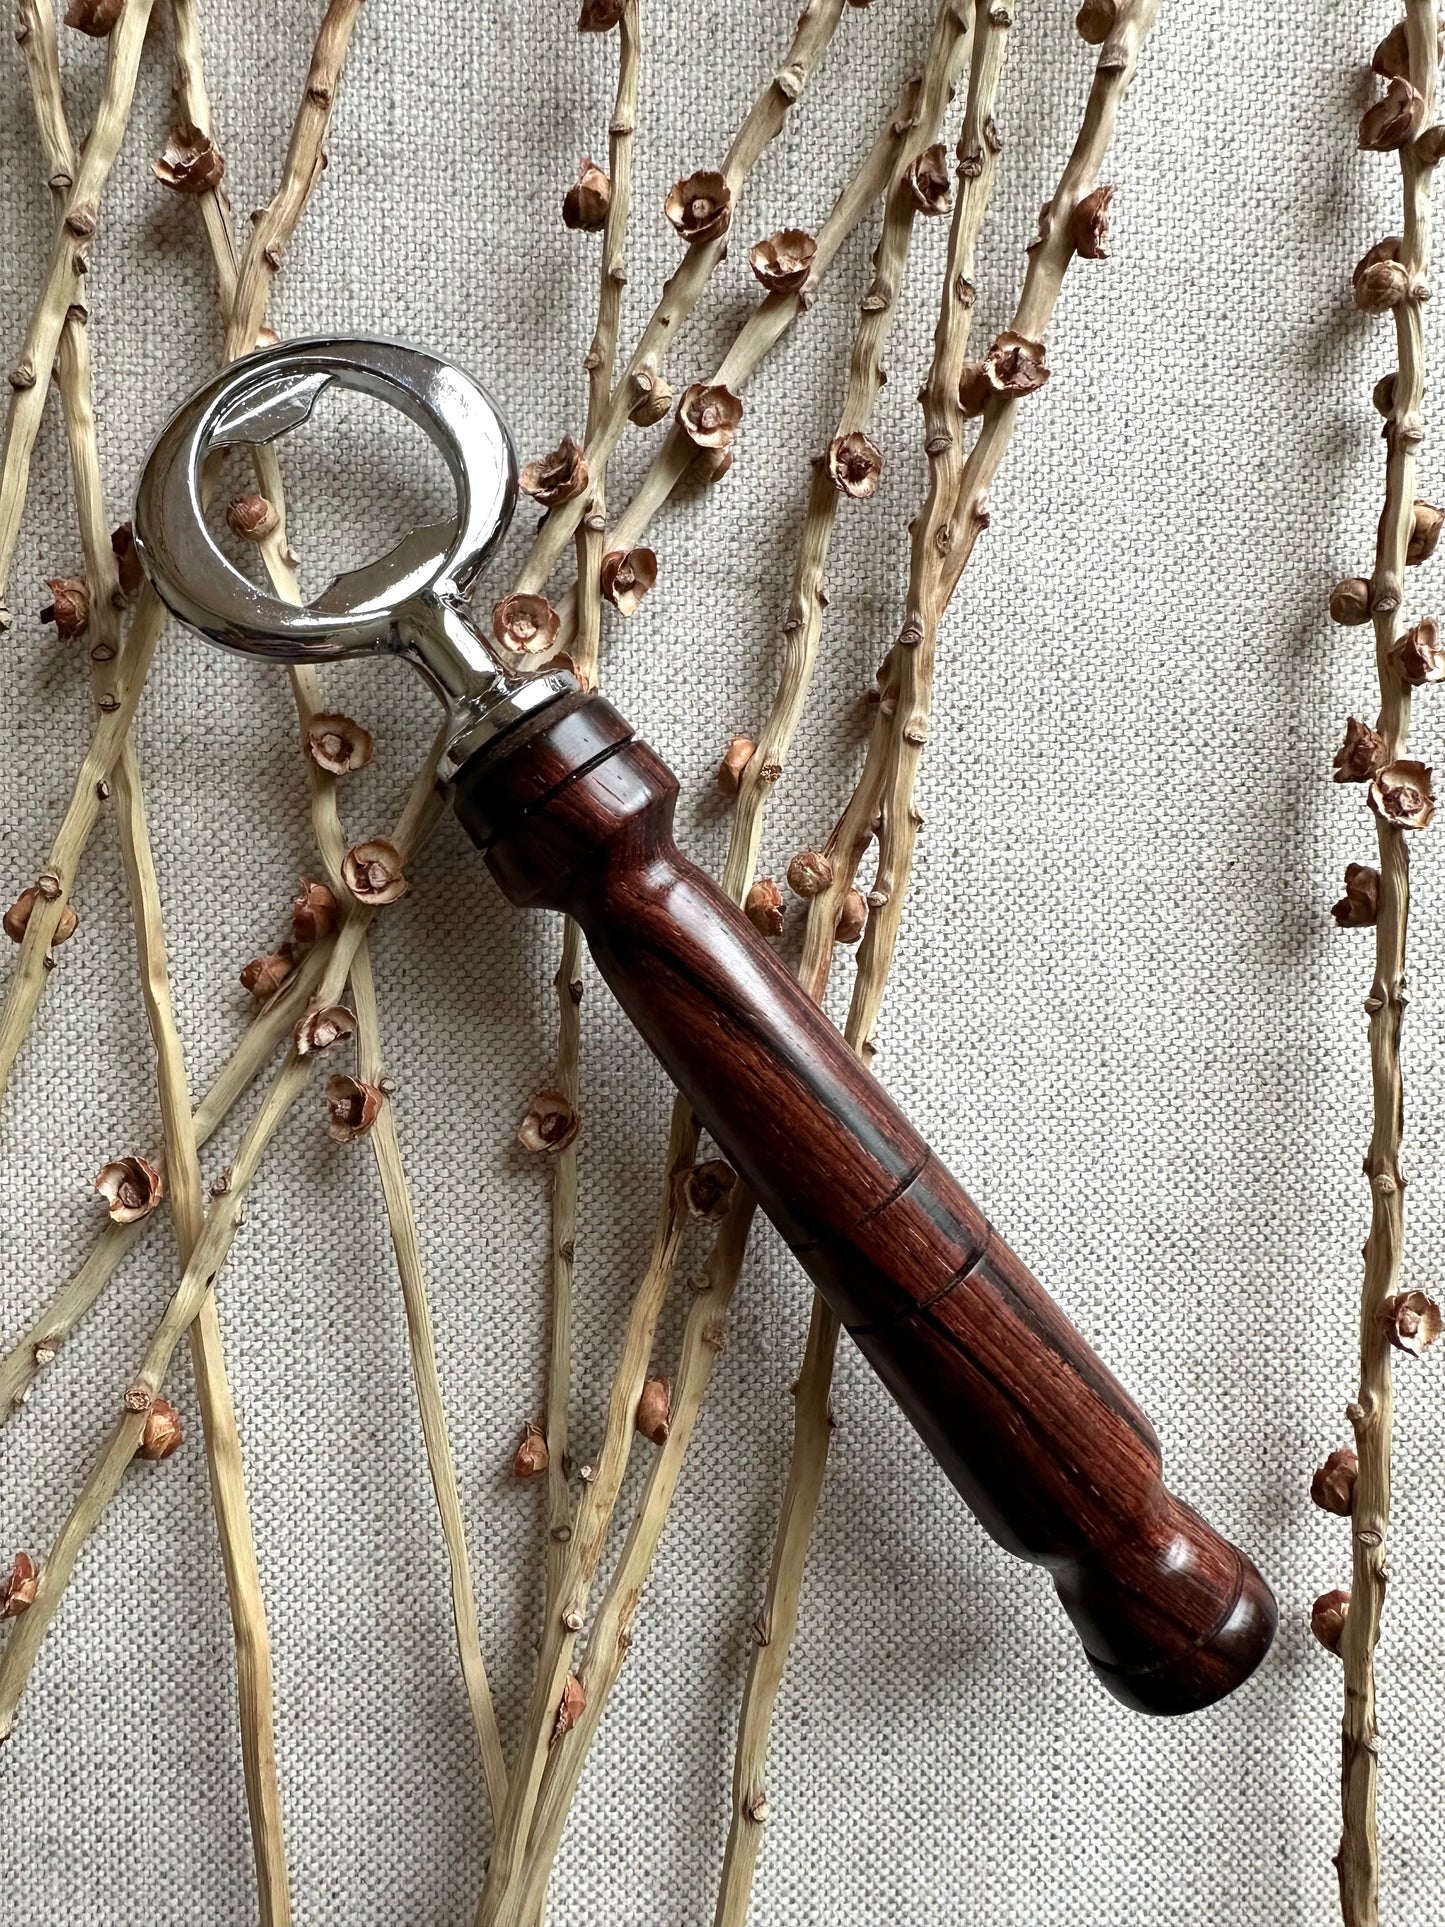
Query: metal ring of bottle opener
{"x": 412, "y": 601}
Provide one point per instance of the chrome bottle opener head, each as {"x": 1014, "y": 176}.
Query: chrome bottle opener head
{"x": 411, "y": 602}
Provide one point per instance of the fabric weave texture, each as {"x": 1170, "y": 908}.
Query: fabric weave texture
{"x": 1120, "y": 1010}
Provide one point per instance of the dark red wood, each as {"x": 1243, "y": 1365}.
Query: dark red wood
{"x": 1049, "y": 1450}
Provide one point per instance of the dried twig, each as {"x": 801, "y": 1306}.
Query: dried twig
{"x": 885, "y": 791}
{"x": 55, "y": 1324}
{"x": 759, "y": 334}
{"x": 299, "y": 173}
{"x": 79, "y": 214}
{"x": 978, "y": 150}
{"x": 600, "y": 364}
{"x": 222, "y": 1439}
{"x": 816, "y": 26}
{"x": 1372, "y": 1412}
{"x": 196, "y": 1283}
{"x": 911, "y": 130}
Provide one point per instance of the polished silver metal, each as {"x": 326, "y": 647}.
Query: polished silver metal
{"x": 413, "y": 601}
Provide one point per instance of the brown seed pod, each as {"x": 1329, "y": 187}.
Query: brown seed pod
{"x": 1333, "y": 1486}
{"x": 1359, "y": 907}
{"x": 852, "y": 917}
{"x": 163, "y": 1431}
{"x": 1393, "y": 120}
{"x": 1387, "y": 249}
{"x": 531, "y": 1458}
{"x": 18, "y": 1586}
{"x": 1089, "y": 225}
{"x": 1383, "y": 394}
{"x": 1380, "y": 287}
{"x": 709, "y": 465}
{"x": 352, "y": 1107}
{"x": 558, "y": 475}
{"x": 855, "y": 463}
{"x": 16, "y": 920}
{"x": 653, "y": 1417}
{"x": 1350, "y": 601}
{"x": 1402, "y": 794}
{"x": 527, "y": 623}
{"x": 132, "y": 1188}
{"x": 127, "y": 560}
{"x": 551, "y": 1123}
{"x": 1016, "y": 365}
{"x": 929, "y": 186}
{"x": 1095, "y": 21}
{"x": 599, "y": 16}
{"x": 337, "y": 744}
{"x": 627, "y": 575}
{"x": 1327, "y": 1618}
{"x": 784, "y": 260}
{"x": 1360, "y": 754}
{"x": 975, "y": 390}
{"x": 252, "y": 518}
{"x": 654, "y": 399}
{"x": 709, "y": 413}
{"x": 1417, "y": 655}
{"x": 264, "y": 976}
{"x": 707, "y": 1189}
{"x": 736, "y": 757}
{"x": 700, "y": 206}
{"x": 372, "y": 871}
{"x": 95, "y": 17}
{"x": 585, "y": 204}
{"x": 569, "y": 1707}
{"x": 319, "y": 1029}
{"x": 809, "y": 873}
{"x": 313, "y": 912}
{"x": 1412, "y": 1320}
{"x": 1424, "y": 532}
{"x": 192, "y": 163}
{"x": 68, "y": 607}
{"x": 764, "y": 907}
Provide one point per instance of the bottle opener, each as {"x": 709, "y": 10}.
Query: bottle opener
{"x": 572, "y": 813}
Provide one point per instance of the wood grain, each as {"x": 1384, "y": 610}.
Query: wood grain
{"x": 1050, "y": 1452}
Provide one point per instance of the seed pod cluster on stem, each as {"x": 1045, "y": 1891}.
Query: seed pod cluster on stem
{"x": 1390, "y": 282}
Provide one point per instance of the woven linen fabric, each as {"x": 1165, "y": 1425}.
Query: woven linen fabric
{"x": 1120, "y": 1010}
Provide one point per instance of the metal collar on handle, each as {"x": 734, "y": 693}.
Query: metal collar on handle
{"x": 411, "y": 601}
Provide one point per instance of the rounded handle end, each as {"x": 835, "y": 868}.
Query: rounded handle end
{"x": 1177, "y": 1623}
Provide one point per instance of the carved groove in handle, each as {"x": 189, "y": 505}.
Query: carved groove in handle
{"x": 1049, "y": 1450}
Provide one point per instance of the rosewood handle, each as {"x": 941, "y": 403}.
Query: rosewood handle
{"x": 1051, "y": 1453}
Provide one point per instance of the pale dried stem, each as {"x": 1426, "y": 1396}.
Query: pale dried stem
{"x": 813, "y": 1422}
{"x": 760, "y": 333}
{"x": 305, "y": 158}
{"x": 601, "y": 359}
{"x": 1372, "y": 1411}
{"x": 77, "y": 221}
{"x": 198, "y": 1278}
{"x": 907, "y": 133}
{"x": 38, "y": 1346}
{"x": 803, "y": 625}
{"x": 816, "y": 26}
{"x": 256, "y": 1699}
{"x": 501, "y": 1901}
{"x": 600, "y": 363}
{"x": 610, "y": 1635}
{"x": 421, "y": 1338}
{"x": 78, "y": 211}
{"x": 257, "y": 269}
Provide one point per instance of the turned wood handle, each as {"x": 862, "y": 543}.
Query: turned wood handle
{"x": 1048, "y": 1449}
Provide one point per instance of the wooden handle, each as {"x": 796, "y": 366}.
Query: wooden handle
{"x": 1048, "y": 1449}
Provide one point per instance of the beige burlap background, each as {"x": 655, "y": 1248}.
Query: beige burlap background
{"x": 1120, "y": 1011}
